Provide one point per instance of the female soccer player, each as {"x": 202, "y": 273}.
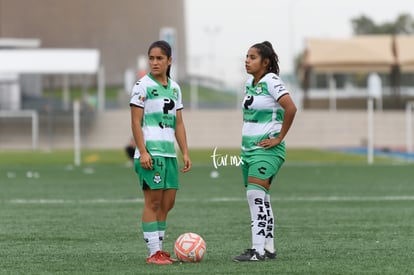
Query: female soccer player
{"x": 268, "y": 113}
{"x": 156, "y": 118}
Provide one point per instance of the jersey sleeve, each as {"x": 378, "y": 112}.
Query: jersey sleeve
{"x": 277, "y": 87}
{"x": 138, "y": 95}
{"x": 178, "y": 95}
{"x": 179, "y": 100}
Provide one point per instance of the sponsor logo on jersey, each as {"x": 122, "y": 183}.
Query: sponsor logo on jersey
{"x": 248, "y": 100}
{"x": 165, "y": 125}
{"x": 169, "y": 105}
{"x": 281, "y": 88}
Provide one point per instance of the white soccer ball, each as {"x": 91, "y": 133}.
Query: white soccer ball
{"x": 190, "y": 247}
{"x": 214, "y": 174}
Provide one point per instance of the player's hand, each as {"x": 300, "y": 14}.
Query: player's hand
{"x": 187, "y": 164}
{"x": 146, "y": 161}
{"x": 269, "y": 142}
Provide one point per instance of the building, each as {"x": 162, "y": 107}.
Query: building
{"x": 336, "y": 71}
{"x": 121, "y": 30}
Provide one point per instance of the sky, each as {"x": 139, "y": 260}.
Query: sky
{"x": 219, "y": 32}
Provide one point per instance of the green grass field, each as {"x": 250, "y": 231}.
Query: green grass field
{"x": 334, "y": 215}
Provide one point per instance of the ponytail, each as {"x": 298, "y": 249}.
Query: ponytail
{"x": 266, "y": 51}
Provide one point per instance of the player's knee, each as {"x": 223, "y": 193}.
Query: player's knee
{"x": 154, "y": 205}
{"x": 167, "y": 206}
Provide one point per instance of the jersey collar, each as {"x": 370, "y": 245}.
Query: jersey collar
{"x": 153, "y": 78}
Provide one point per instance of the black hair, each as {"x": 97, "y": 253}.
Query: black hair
{"x": 165, "y": 48}
{"x": 266, "y": 51}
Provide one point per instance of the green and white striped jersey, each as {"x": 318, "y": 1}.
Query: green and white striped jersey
{"x": 262, "y": 114}
{"x": 160, "y": 105}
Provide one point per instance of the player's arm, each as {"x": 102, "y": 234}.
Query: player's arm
{"x": 137, "y": 113}
{"x": 181, "y": 136}
{"x": 290, "y": 111}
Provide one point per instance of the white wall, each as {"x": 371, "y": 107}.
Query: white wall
{"x": 222, "y": 129}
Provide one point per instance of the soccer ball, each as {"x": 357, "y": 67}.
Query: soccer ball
{"x": 190, "y": 247}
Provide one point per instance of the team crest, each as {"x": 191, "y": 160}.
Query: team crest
{"x": 157, "y": 178}
{"x": 259, "y": 89}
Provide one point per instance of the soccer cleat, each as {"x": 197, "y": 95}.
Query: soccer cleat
{"x": 250, "y": 255}
{"x": 158, "y": 258}
{"x": 167, "y": 255}
{"x": 270, "y": 255}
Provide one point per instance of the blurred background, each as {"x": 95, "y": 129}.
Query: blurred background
{"x": 67, "y": 68}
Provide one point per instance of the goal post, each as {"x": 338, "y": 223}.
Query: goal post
{"x": 26, "y": 113}
{"x": 76, "y": 133}
{"x": 370, "y": 130}
{"x": 409, "y": 127}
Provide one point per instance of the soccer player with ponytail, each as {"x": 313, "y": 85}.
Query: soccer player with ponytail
{"x": 268, "y": 113}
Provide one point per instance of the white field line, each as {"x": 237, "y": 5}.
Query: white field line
{"x": 212, "y": 200}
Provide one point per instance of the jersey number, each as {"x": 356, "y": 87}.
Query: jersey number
{"x": 159, "y": 164}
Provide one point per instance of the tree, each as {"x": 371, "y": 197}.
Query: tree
{"x": 363, "y": 25}
{"x": 404, "y": 24}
